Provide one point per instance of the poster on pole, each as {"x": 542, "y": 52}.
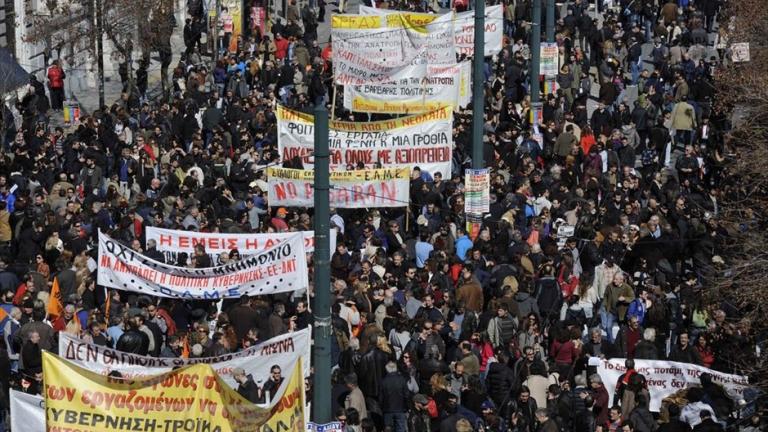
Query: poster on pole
{"x": 379, "y": 49}
{"x": 423, "y": 140}
{"x": 666, "y": 377}
{"x": 173, "y": 242}
{"x": 282, "y": 350}
{"x": 233, "y": 12}
{"x": 477, "y": 191}
{"x": 740, "y": 52}
{"x": 388, "y": 187}
{"x": 549, "y": 59}
{"x": 281, "y": 268}
{"x": 463, "y": 27}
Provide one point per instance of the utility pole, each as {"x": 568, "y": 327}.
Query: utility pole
{"x": 535, "y": 86}
{"x": 321, "y": 349}
{"x": 550, "y": 39}
{"x": 550, "y": 20}
{"x": 478, "y": 78}
{"x": 215, "y": 31}
{"x": 98, "y": 6}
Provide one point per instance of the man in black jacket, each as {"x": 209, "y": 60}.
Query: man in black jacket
{"x": 246, "y": 388}
{"x": 394, "y": 399}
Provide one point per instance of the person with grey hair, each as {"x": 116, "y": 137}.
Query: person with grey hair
{"x": 600, "y": 397}
{"x": 394, "y": 399}
{"x": 355, "y": 398}
{"x": 646, "y": 348}
{"x": 546, "y": 424}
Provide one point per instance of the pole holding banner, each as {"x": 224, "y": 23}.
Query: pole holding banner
{"x": 321, "y": 401}
{"x": 478, "y": 95}
{"x": 550, "y": 79}
{"x": 535, "y": 86}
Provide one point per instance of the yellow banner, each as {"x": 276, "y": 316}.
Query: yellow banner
{"x": 383, "y": 174}
{"x": 287, "y": 114}
{"x": 191, "y": 398}
{"x": 356, "y": 22}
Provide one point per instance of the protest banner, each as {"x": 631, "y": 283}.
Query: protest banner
{"x": 188, "y": 398}
{"x": 549, "y": 59}
{"x": 440, "y": 88}
{"x": 282, "y": 350}
{"x": 235, "y": 14}
{"x": 173, "y": 242}
{"x": 327, "y": 427}
{"x": 477, "y": 191}
{"x": 463, "y": 27}
{"x": 378, "y": 49}
{"x": 666, "y": 377}
{"x": 423, "y": 140}
{"x": 27, "y": 412}
{"x": 281, "y": 268}
{"x": 388, "y": 187}
{"x": 465, "y": 84}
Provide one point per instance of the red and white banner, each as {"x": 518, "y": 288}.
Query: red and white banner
{"x": 388, "y": 187}
{"x": 281, "y": 268}
{"x": 173, "y": 242}
{"x": 423, "y": 140}
{"x": 666, "y": 377}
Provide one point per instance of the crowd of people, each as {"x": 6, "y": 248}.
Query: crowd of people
{"x": 602, "y": 236}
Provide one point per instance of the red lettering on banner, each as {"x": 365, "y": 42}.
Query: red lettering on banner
{"x": 280, "y": 193}
{"x": 166, "y": 240}
{"x": 357, "y": 193}
{"x": 106, "y": 262}
{"x": 291, "y": 188}
{"x": 388, "y": 193}
{"x": 251, "y": 244}
{"x": 183, "y": 242}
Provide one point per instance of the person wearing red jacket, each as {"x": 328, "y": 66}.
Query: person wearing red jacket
{"x": 56, "y": 77}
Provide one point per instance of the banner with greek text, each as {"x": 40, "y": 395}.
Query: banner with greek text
{"x": 378, "y": 49}
{"x": 666, "y": 377}
{"x": 388, "y": 187}
{"x": 27, "y": 412}
{"x": 257, "y": 360}
{"x": 188, "y": 398}
{"x": 423, "y": 140}
{"x": 477, "y": 191}
{"x": 173, "y": 242}
{"x": 463, "y": 27}
{"x": 281, "y": 268}
{"x": 440, "y": 88}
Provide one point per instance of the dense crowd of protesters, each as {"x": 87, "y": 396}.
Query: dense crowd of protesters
{"x": 602, "y": 233}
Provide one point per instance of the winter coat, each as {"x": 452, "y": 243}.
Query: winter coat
{"x": 394, "y": 395}
{"x": 683, "y": 116}
{"x": 500, "y": 381}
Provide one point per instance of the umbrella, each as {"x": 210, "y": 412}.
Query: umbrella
{"x": 12, "y": 75}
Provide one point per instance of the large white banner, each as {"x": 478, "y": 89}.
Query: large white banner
{"x": 440, "y": 88}
{"x": 173, "y": 242}
{"x": 423, "y": 140}
{"x": 27, "y": 412}
{"x": 388, "y": 187}
{"x": 463, "y": 27}
{"x": 281, "y": 350}
{"x": 378, "y": 48}
{"x": 281, "y": 268}
{"x": 666, "y": 377}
